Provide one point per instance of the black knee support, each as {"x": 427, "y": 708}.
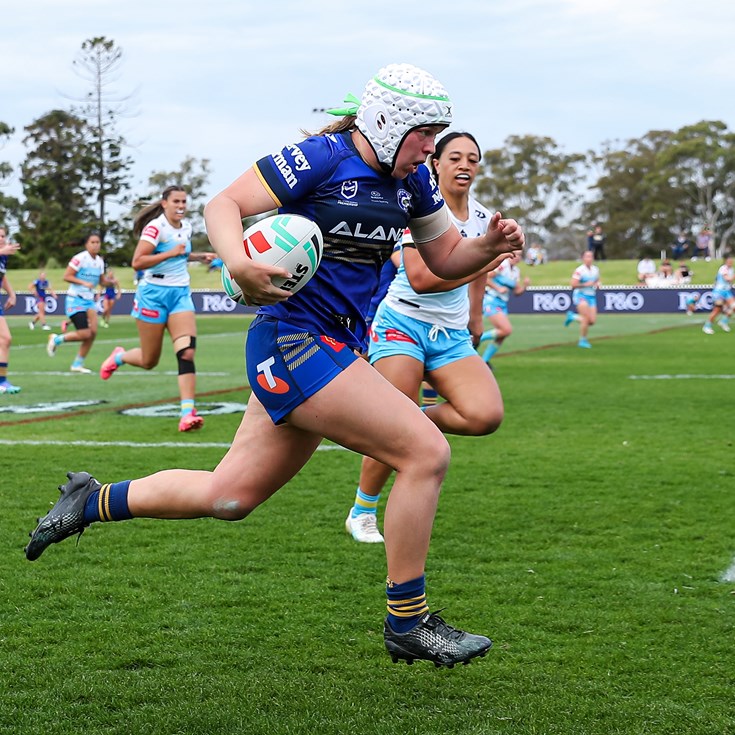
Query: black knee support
{"x": 186, "y": 366}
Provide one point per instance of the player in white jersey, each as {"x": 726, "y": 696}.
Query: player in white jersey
{"x": 426, "y": 326}
{"x": 501, "y": 284}
{"x": 83, "y": 274}
{"x": 722, "y": 298}
{"x": 6, "y": 248}
{"x": 163, "y": 297}
{"x": 585, "y": 282}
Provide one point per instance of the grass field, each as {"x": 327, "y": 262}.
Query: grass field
{"x": 591, "y": 538}
{"x": 554, "y": 273}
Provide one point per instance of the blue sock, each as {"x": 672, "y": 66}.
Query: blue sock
{"x": 365, "y": 503}
{"x": 109, "y": 503}
{"x": 78, "y": 361}
{"x": 406, "y": 603}
{"x": 119, "y": 358}
{"x": 187, "y": 406}
{"x": 492, "y": 348}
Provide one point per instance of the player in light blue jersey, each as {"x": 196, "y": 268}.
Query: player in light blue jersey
{"x": 362, "y": 180}
{"x": 83, "y": 274}
{"x": 501, "y": 284}
{"x": 163, "y": 297}
{"x": 6, "y": 248}
{"x": 424, "y": 328}
{"x": 723, "y": 300}
{"x": 585, "y": 282}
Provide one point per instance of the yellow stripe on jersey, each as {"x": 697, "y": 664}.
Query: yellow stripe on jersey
{"x": 267, "y": 187}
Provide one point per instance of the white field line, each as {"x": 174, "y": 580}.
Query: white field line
{"x": 729, "y": 575}
{"x": 131, "y": 342}
{"x": 682, "y": 376}
{"x": 136, "y": 445}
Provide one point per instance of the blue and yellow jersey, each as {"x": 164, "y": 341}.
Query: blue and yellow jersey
{"x": 362, "y": 214}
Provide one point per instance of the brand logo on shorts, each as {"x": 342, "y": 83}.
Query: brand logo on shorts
{"x": 152, "y": 313}
{"x": 336, "y": 346}
{"x": 267, "y": 380}
{"x": 394, "y": 335}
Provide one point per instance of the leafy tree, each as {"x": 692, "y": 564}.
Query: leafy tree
{"x": 639, "y": 208}
{"x": 700, "y": 164}
{"x": 532, "y": 180}
{"x": 98, "y": 63}
{"x": 54, "y": 176}
{"x": 8, "y": 205}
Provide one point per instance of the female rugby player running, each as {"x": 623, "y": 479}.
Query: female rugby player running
{"x": 425, "y": 326}
{"x": 362, "y": 181}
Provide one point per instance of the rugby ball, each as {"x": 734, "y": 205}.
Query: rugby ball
{"x": 290, "y": 241}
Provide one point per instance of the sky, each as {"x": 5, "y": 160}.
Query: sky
{"x": 232, "y": 80}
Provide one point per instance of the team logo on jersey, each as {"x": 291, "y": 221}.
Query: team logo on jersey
{"x": 151, "y": 231}
{"x": 404, "y": 199}
{"x": 349, "y": 189}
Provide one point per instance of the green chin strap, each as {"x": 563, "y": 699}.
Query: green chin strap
{"x": 353, "y": 103}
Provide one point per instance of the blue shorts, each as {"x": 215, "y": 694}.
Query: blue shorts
{"x": 578, "y": 298}
{"x": 154, "y": 304}
{"x": 75, "y": 304}
{"x": 720, "y": 297}
{"x": 392, "y": 333}
{"x": 286, "y": 364}
{"x": 493, "y": 306}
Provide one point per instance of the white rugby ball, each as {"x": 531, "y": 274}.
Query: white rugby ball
{"x": 290, "y": 241}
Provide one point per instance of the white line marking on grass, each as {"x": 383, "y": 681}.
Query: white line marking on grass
{"x": 133, "y": 343}
{"x": 729, "y": 575}
{"x": 121, "y": 374}
{"x": 136, "y": 445}
{"x": 683, "y": 376}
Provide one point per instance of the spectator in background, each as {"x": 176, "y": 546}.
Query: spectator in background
{"x": 703, "y": 245}
{"x": 665, "y": 275}
{"x": 683, "y": 273}
{"x": 596, "y": 242}
{"x": 681, "y": 246}
{"x": 646, "y": 269}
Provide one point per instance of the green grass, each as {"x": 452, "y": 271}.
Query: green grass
{"x": 588, "y": 537}
{"x": 554, "y": 273}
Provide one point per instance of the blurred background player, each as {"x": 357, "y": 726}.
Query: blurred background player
{"x": 163, "y": 297}
{"x": 110, "y": 295}
{"x": 40, "y": 288}
{"x": 6, "y": 248}
{"x": 722, "y": 298}
{"x": 425, "y": 326}
{"x": 84, "y": 272}
{"x": 585, "y": 282}
{"x": 501, "y": 284}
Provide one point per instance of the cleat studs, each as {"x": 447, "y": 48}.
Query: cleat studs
{"x": 437, "y": 665}
{"x": 394, "y": 659}
{"x": 409, "y": 661}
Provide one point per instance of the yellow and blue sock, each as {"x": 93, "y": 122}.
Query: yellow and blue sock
{"x": 109, "y": 503}
{"x": 3, "y": 372}
{"x": 187, "y": 406}
{"x": 365, "y": 503}
{"x": 406, "y": 603}
{"x": 429, "y": 396}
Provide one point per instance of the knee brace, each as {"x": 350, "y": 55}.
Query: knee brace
{"x": 181, "y": 345}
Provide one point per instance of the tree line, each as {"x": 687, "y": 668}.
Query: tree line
{"x": 643, "y": 191}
